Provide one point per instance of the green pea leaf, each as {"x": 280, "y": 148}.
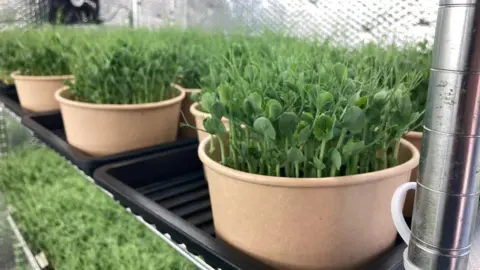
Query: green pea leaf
{"x": 404, "y": 104}
{"x": 287, "y": 123}
{"x": 318, "y": 164}
{"x": 324, "y": 101}
{"x": 263, "y": 126}
{"x": 336, "y": 159}
{"x": 218, "y": 110}
{"x": 295, "y": 155}
{"x": 302, "y": 134}
{"x": 354, "y": 119}
{"x": 323, "y": 127}
{"x": 224, "y": 93}
{"x": 353, "y": 147}
{"x": 341, "y": 71}
{"x": 208, "y": 99}
{"x": 362, "y": 102}
{"x": 274, "y": 109}
{"x": 255, "y": 100}
{"x": 247, "y": 108}
{"x": 380, "y": 98}
{"x": 307, "y": 117}
{"x": 213, "y": 125}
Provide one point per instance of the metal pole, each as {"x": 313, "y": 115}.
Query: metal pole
{"x": 134, "y": 13}
{"x": 447, "y": 193}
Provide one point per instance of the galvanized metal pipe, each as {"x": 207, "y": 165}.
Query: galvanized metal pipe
{"x": 447, "y": 193}
{"x": 134, "y": 13}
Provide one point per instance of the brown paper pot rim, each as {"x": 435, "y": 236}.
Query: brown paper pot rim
{"x": 62, "y": 96}
{"x": 413, "y": 135}
{"x": 196, "y": 112}
{"x": 350, "y": 180}
{"x": 187, "y": 90}
{"x": 16, "y": 76}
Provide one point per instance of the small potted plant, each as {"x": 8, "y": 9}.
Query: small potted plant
{"x": 197, "y": 52}
{"x": 312, "y": 158}
{"x": 121, "y": 98}
{"x": 41, "y": 66}
{"x": 241, "y": 49}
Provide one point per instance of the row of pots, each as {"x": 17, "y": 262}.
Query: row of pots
{"x": 95, "y": 128}
{"x": 290, "y": 223}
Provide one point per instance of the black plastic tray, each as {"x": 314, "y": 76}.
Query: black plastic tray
{"x": 169, "y": 190}
{"x": 9, "y": 97}
{"x": 49, "y": 128}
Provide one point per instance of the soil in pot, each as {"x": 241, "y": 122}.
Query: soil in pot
{"x": 186, "y": 116}
{"x": 415, "y": 138}
{"x": 306, "y": 223}
{"x": 106, "y": 129}
{"x": 37, "y": 93}
{"x": 199, "y": 116}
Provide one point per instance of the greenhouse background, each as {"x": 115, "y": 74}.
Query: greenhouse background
{"x": 343, "y": 21}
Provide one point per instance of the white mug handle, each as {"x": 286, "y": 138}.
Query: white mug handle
{"x": 398, "y": 200}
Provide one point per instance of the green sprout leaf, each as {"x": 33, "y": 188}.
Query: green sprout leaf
{"x": 341, "y": 71}
{"x": 380, "y": 98}
{"x": 213, "y": 125}
{"x": 208, "y": 99}
{"x": 404, "y": 104}
{"x": 354, "y": 119}
{"x": 255, "y": 100}
{"x": 336, "y": 159}
{"x": 217, "y": 110}
{"x": 324, "y": 101}
{"x": 323, "y": 127}
{"x": 225, "y": 94}
{"x": 318, "y": 164}
{"x": 352, "y": 148}
{"x": 287, "y": 123}
{"x": 303, "y": 132}
{"x": 307, "y": 117}
{"x": 263, "y": 126}
{"x": 274, "y": 109}
{"x": 362, "y": 102}
{"x": 294, "y": 155}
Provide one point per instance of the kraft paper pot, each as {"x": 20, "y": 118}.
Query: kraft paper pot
{"x": 415, "y": 138}
{"x": 37, "y": 93}
{"x": 199, "y": 116}
{"x": 106, "y": 129}
{"x": 306, "y": 223}
{"x": 186, "y": 132}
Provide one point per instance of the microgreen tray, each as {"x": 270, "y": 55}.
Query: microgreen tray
{"x": 169, "y": 190}
{"x": 49, "y": 128}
